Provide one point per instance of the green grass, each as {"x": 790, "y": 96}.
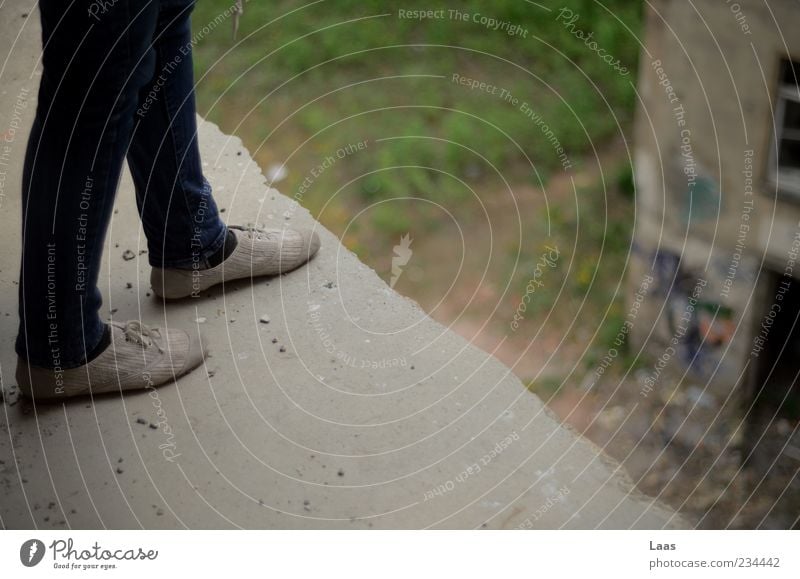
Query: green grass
{"x": 401, "y": 92}
{"x": 305, "y": 80}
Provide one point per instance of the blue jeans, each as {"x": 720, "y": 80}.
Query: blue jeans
{"x": 117, "y": 83}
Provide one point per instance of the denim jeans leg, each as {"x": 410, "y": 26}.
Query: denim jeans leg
{"x": 96, "y": 57}
{"x": 179, "y": 214}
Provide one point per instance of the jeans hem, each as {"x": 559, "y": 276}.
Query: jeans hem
{"x": 199, "y": 261}
{"x": 47, "y": 361}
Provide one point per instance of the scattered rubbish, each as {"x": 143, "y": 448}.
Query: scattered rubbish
{"x": 128, "y": 255}
{"x": 128, "y": 285}
{"x": 119, "y": 470}
{"x": 274, "y": 340}
{"x": 264, "y": 319}
{"x": 200, "y": 320}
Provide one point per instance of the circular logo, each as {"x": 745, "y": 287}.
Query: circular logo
{"x": 31, "y": 552}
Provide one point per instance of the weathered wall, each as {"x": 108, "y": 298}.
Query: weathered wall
{"x": 708, "y": 218}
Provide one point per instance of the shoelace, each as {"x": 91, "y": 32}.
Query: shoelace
{"x": 138, "y": 333}
{"x": 259, "y": 234}
{"x": 238, "y": 11}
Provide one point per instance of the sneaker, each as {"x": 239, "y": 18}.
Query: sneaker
{"x": 138, "y": 357}
{"x": 258, "y": 252}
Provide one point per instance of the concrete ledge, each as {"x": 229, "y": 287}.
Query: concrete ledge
{"x": 364, "y": 412}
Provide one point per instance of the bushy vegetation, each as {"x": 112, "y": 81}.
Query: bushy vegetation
{"x": 392, "y": 78}
{"x": 304, "y": 80}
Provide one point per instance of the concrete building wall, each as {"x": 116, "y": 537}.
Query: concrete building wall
{"x": 710, "y": 222}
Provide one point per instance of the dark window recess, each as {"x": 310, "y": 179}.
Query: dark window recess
{"x": 784, "y": 161}
{"x": 789, "y": 157}
{"x": 790, "y": 72}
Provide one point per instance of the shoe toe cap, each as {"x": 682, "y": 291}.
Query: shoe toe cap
{"x": 195, "y": 353}
{"x": 311, "y": 243}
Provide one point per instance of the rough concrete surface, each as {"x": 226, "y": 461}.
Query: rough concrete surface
{"x": 349, "y": 409}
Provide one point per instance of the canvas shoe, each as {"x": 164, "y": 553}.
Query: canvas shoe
{"x": 138, "y": 357}
{"x": 258, "y": 252}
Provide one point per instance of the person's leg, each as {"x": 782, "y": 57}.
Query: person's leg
{"x": 93, "y": 65}
{"x": 179, "y": 215}
{"x": 96, "y": 57}
{"x": 190, "y": 248}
